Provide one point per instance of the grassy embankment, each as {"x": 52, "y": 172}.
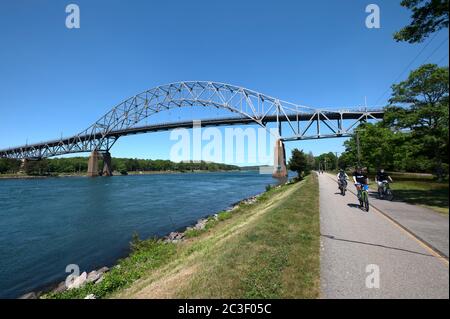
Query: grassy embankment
{"x": 268, "y": 249}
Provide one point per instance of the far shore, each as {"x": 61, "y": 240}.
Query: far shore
{"x": 23, "y": 176}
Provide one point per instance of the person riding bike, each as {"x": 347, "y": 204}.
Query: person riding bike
{"x": 342, "y": 177}
{"x": 360, "y": 178}
{"x": 381, "y": 178}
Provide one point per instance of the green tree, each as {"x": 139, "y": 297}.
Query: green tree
{"x": 311, "y": 161}
{"x": 377, "y": 147}
{"x": 428, "y": 16}
{"x": 298, "y": 163}
{"x": 326, "y": 161}
{"x": 420, "y": 106}
{"x": 38, "y": 167}
{"x": 8, "y": 165}
{"x": 3, "y": 166}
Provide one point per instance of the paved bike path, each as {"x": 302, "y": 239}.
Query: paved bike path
{"x": 429, "y": 226}
{"x": 354, "y": 243}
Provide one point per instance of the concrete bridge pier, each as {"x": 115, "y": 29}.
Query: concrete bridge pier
{"x": 23, "y": 165}
{"x": 107, "y": 167}
{"x": 279, "y": 167}
{"x": 93, "y": 164}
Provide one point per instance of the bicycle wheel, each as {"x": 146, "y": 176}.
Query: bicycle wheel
{"x": 389, "y": 195}
{"x": 366, "y": 202}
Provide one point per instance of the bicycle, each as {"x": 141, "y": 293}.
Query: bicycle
{"x": 363, "y": 196}
{"x": 385, "y": 191}
{"x": 342, "y": 184}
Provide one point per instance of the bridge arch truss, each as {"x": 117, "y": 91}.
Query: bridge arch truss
{"x": 250, "y": 106}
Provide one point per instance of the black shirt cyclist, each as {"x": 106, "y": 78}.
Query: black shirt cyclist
{"x": 360, "y": 177}
{"x": 382, "y": 176}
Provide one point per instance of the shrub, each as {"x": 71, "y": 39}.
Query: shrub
{"x": 146, "y": 255}
{"x": 190, "y": 233}
{"x": 223, "y": 216}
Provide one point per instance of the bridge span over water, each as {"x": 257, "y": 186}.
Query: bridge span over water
{"x": 248, "y": 107}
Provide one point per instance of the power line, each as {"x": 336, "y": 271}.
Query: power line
{"x": 443, "y": 58}
{"x": 434, "y": 51}
{"x": 408, "y": 66}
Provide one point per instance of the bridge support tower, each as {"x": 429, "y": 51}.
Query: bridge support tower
{"x": 23, "y": 165}
{"x": 107, "y": 168}
{"x": 279, "y": 167}
{"x": 93, "y": 164}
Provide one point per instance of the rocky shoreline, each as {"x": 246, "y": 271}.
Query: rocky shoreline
{"x": 175, "y": 237}
{"x": 96, "y": 276}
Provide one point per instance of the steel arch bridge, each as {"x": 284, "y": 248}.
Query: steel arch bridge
{"x": 249, "y": 106}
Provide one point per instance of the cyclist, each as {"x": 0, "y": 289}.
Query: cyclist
{"x": 360, "y": 178}
{"x": 342, "y": 177}
{"x": 381, "y": 178}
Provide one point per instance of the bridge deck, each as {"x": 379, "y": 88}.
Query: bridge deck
{"x": 303, "y": 117}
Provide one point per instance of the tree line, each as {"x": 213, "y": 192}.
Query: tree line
{"x": 78, "y": 165}
{"x": 413, "y": 135}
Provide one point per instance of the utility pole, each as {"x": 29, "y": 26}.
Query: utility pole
{"x": 358, "y": 150}
{"x": 337, "y": 160}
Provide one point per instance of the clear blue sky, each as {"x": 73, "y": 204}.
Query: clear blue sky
{"x": 57, "y": 81}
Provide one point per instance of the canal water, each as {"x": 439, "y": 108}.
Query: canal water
{"x": 47, "y": 224}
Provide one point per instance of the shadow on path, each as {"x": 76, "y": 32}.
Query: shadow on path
{"x": 351, "y": 205}
{"x": 376, "y": 245}
{"x": 434, "y": 197}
